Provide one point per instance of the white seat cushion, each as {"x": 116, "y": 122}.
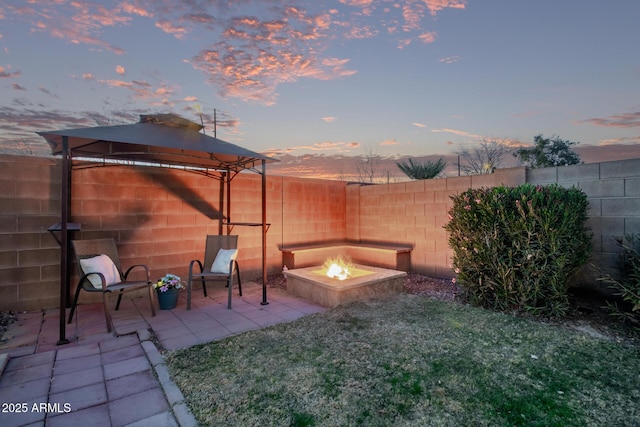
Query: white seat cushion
{"x": 223, "y": 259}
{"x": 100, "y": 264}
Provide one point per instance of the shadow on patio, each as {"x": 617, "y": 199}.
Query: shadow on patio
{"x": 208, "y": 320}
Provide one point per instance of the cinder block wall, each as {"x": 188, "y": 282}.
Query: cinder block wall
{"x": 158, "y": 217}
{"x": 29, "y": 255}
{"x": 613, "y": 189}
{"x": 415, "y": 213}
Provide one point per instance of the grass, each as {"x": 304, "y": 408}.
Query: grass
{"x": 411, "y": 361}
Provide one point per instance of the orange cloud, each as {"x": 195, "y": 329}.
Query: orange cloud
{"x": 389, "y": 142}
{"x": 319, "y": 146}
{"x": 120, "y": 69}
{"x": 616, "y": 141}
{"x": 457, "y": 132}
{"x": 420, "y": 125}
{"x": 328, "y": 119}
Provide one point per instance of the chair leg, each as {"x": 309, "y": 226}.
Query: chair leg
{"x": 152, "y": 301}
{"x": 238, "y": 275}
{"x": 229, "y": 285}
{"x": 107, "y": 314}
{"x": 75, "y": 303}
{"x": 190, "y": 282}
{"x": 119, "y": 299}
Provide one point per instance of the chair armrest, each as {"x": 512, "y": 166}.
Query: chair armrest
{"x": 143, "y": 266}
{"x": 85, "y": 279}
{"x": 191, "y": 264}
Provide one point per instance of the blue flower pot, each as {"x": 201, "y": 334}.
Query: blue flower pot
{"x": 168, "y": 300}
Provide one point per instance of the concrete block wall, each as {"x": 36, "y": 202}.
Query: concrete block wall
{"x": 613, "y": 190}
{"x": 415, "y": 213}
{"x": 29, "y": 255}
{"x": 158, "y": 217}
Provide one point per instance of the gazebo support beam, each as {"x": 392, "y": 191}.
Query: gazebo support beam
{"x": 65, "y": 204}
{"x": 264, "y": 233}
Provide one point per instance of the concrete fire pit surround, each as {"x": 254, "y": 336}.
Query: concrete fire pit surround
{"x": 328, "y": 292}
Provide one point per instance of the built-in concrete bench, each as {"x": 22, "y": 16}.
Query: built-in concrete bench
{"x": 392, "y": 256}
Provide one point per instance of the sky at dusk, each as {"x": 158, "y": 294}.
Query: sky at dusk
{"x": 329, "y": 79}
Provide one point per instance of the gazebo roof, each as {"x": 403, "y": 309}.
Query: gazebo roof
{"x": 165, "y": 139}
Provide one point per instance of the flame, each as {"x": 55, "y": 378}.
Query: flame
{"x": 337, "y": 268}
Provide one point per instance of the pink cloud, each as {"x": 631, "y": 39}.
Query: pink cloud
{"x": 420, "y": 125}
{"x": 254, "y": 45}
{"x": 449, "y": 59}
{"x": 429, "y": 37}
{"x": 144, "y": 90}
{"x": 168, "y": 27}
{"x": 435, "y": 6}
{"x": 120, "y": 69}
{"x": 76, "y": 22}
{"x": 627, "y": 120}
{"x": 328, "y": 119}
{"x": 135, "y": 10}
{"x": 6, "y": 74}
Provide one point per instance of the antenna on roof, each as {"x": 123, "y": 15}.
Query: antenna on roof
{"x": 200, "y": 114}
{"x": 215, "y": 124}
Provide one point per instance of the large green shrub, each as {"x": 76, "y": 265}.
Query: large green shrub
{"x": 515, "y": 249}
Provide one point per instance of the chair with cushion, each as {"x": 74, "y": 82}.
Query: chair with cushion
{"x": 100, "y": 271}
{"x": 219, "y": 264}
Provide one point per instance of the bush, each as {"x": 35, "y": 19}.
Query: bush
{"x": 515, "y": 249}
{"x": 628, "y": 285}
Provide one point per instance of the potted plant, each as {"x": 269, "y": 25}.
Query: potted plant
{"x": 167, "y": 289}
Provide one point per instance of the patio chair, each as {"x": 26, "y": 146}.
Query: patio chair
{"x": 100, "y": 271}
{"x": 219, "y": 264}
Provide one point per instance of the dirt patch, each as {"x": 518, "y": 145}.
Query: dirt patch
{"x": 6, "y": 318}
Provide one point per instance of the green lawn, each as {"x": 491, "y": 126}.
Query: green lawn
{"x": 411, "y": 361}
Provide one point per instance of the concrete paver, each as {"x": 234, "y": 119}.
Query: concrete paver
{"x": 103, "y": 379}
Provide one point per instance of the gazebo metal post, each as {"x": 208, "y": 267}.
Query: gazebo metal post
{"x": 264, "y": 233}
{"x": 65, "y": 206}
{"x": 228, "y": 182}
{"x": 221, "y": 203}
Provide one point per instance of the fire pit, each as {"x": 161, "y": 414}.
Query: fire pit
{"x": 350, "y": 282}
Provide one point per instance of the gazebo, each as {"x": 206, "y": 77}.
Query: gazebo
{"x": 156, "y": 140}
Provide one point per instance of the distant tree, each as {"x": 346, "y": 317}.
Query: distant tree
{"x": 426, "y": 170}
{"x": 368, "y": 166}
{"x": 548, "y": 152}
{"x": 483, "y": 158}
